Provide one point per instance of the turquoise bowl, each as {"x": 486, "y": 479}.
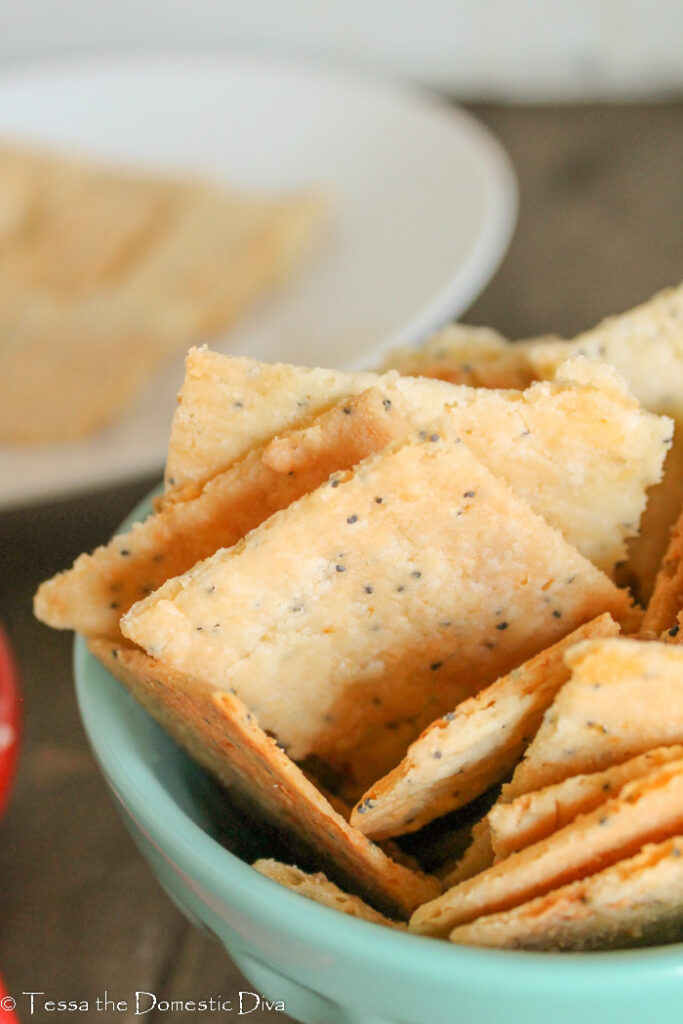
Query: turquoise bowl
{"x": 328, "y": 968}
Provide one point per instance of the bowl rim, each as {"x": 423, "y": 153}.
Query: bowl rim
{"x": 201, "y": 856}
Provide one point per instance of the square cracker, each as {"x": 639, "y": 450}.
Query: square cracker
{"x": 579, "y": 450}
{"x": 533, "y": 816}
{"x": 648, "y": 809}
{"x": 624, "y": 698}
{"x": 634, "y": 902}
{"x": 218, "y": 732}
{"x": 92, "y": 595}
{"x": 352, "y": 618}
{"x": 470, "y": 749}
{"x": 318, "y": 888}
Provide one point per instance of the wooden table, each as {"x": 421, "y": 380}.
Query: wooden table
{"x": 80, "y": 913}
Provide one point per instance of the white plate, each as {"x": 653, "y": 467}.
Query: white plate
{"x": 425, "y": 205}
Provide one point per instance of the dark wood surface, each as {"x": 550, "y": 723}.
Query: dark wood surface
{"x": 80, "y": 913}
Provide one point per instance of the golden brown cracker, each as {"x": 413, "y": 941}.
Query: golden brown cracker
{"x": 218, "y": 731}
{"x": 624, "y": 698}
{"x": 533, "y": 816}
{"x": 635, "y": 901}
{"x": 92, "y": 595}
{"x": 649, "y": 809}
{"x": 350, "y": 619}
{"x": 461, "y": 755}
{"x": 318, "y": 888}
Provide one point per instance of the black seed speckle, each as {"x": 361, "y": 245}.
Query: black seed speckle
{"x": 113, "y": 604}
{"x": 238, "y": 405}
{"x": 433, "y": 437}
{"x": 502, "y": 625}
{"x": 125, "y": 552}
{"x": 340, "y": 568}
{"x": 387, "y": 403}
{"x": 378, "y": 501}
{"x": 674, "y": 630}
{"x": 347, "y": 410}
{"x": 416, "y": 574}
{"x": 557, "y": 614}
{"x": 352, "y": 519}
{"x": 469, "y": 494}
{"x": 368, "y": 589}
{"x": 437, "y": 754}
{"x": 435, "y": 665}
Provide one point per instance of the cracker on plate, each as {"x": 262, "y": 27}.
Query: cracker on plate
{"x": 224, "y": 737}
{"x": 648, "y": 809}
{"x": 350, "y": 620}
{"x": 109, "y": 272}
{"x": 92, "y": 595}
{"x": 624, "y": 698}
{"x": 533, "y": 816}
{"x": 634, "y": 902}
{"x": 468, "y": 750}
{"x": 318, "y": 888}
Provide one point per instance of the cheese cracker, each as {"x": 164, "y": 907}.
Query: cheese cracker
{"x": 92, "y": 595}
{"x": 635, "y": 901}
{"x": 318, "y": 888}
{"x": 648, "y": 809}
{"x": 533, "y": 816}
{"x": 624, "y": 698}
{"x": 349, "y": 620}
{"x": 463, "y": 754}
{"x": 218, "y": 732}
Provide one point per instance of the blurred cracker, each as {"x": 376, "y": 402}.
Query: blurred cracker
{"x": 533, "y": 816}
{"x": 634, "y": 902}
{"x": 218, "y": 731}
{"x": 462, "y": 354}
{"x": 91, "y": 596}
{"x": 463, "y": 754}
{"x": 318, "y": 888}
{"x": 667, "y": 597}
{"x": 352, "y": 618}
{"x": 649, "y": 809}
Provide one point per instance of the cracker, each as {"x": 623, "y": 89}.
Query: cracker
{"x": 463, "y": 754}
{"x": 229, "y": 405}
{"x": 92, "y": 595}
{"x": 462, "y": 354}
{"x": 106, "y": 273}
{"x": 218, "y": 732}
{"x": 646, "y": 346}
{"x": 580, "y": 451}
{"x": 533, "y": 816}
{"x": 648, "y": 809}
{"x": 634, "y": 902}
{"x": 623, "y": 699}
{"x": 349, "y": 620}
{"x": 318, "y": 888}
{"x": 667, "y": 597}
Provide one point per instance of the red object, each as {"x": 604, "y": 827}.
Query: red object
{"x": 7, "y": 1015}
{"x": 9, "y": 719}
{"x": 9, "y": 749}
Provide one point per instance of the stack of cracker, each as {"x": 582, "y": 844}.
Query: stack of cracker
{"x": 365, "y": 601}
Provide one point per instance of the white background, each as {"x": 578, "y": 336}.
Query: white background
{"x": 497, "y": 49}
